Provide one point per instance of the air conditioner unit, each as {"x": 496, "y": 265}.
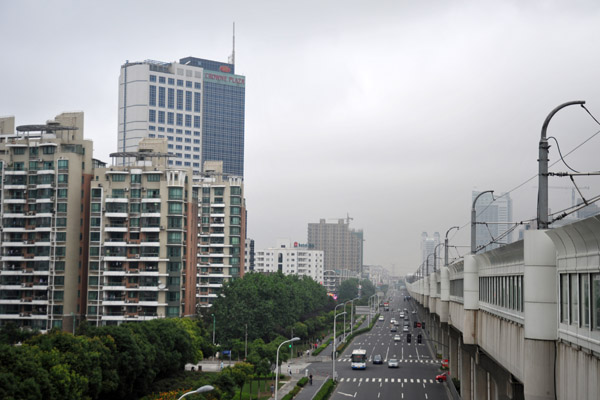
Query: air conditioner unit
{"x": 126, "y": 189}
{"x": 99, "y": 185}
{"x": 162, "y": 228}
{"x": 143, "y": 189}
{"x": 137, "y": 256}
{"x": 51, "y": 198}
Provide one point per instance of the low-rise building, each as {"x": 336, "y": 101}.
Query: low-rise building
{"x": 291, "y": 258}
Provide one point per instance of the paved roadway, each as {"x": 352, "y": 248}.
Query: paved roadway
{"x": 414, "y": 379}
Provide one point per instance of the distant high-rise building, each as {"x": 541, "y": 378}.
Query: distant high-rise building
{"x": 428, "y": 245}
{"x": 44, "y": 191}
{"x": 249, "y": 255}
{"x": 498, "y": 216}
{"x": 198, "y": 105}
{"x": 343, "y": 246}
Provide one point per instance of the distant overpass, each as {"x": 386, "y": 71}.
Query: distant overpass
{"x": 521, "y": 321}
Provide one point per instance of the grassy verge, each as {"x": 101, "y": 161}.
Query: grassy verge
{"x": 325, "y": 391}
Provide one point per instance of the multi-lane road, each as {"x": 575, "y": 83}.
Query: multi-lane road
{"x": 415, "y": 376}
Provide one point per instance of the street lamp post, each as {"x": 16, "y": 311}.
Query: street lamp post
{"x": 277, "y": 362}
{"x": 333, "y": 354}
{"x": 346, "y": 302}
{"x": 446, "y": 245}
{"x": 214, "y": 323}
{"x": 202, "y": 389}
{"x": 542, "y": 206}
{"x": 474, "y": 220}
{"x": 352, "y": 314}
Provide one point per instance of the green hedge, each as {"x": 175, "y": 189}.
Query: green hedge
{"x": 322, "y": 347}
{"x": 325, "y": 391}
{"x": 299, "y": 385}
{"x": 302, "y": 382}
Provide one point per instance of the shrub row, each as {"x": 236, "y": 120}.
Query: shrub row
{"x": 343, "y": 345}
{"x": 322, "y": 347}
{"x": 325, "y": 391}
{"x": 301, "y": 383}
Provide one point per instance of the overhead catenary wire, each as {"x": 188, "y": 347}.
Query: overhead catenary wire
{"x": 561, "y": 159}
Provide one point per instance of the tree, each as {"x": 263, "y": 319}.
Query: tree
{"x": 348, "y": 290}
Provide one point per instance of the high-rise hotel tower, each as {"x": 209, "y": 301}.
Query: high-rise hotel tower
{"x": 198, "y": 105}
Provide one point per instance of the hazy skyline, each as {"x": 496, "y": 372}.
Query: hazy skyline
{"x": 392, "y": 111}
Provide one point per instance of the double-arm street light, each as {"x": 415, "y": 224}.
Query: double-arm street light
{"x": 333, "y": 354}
{"x": 474, "y": 221}
{"x": 214, "y": 323}
{"x": 202, "y": 389}
{"x": 277, "y": 362}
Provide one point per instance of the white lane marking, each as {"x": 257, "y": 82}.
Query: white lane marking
{"x": 402, "y": 395}
{"x": 386, "y": 380}
{"x": 423, "y": 385}
{"x": 378, "y": 394}
{"x": 354, "y": 380}
{"x": 387, "y": 353}
{"x": 412, "y": 380}
{"x": 402, "y": 352}
{"x": 366, "y": 380}
{"x": 379, "y": 380}
{"x": 355, "y": 394}
{"x": 392, "y": 380}
{"x": 417, "y": 350}
{"x": 345, "y": 394}
{"x": 425, "y": 395}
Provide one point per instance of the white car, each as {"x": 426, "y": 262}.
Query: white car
{"x": 405, "y": 329}
{"x": 381, "y": 318}
{"x": 401, "y": 315}
{"x": 397, "y": 338}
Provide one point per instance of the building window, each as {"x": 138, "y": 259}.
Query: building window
{"x": 179, "y": 82}
{"x": 584, "y": 290}
{"x": 152, "y": 115}
{"x": 197, "y": 85}
{"x": 188, "y": 120}
{"x": 574, "y": 297}
{"x": 63, "y": 164}
{"x": 188, "y": 100}
{"x": 152, "y": 95}
{"x": 196, "y": 121}
{"x": 180, "y": 99}
{"x": 171, "y": 81}
{"x": 595, "y": 301}
{"x": 179, "y": 119}
{"x": 197, "y": 101}
{"x": 152, "y": 78}
{"x": 63, "y": 178}
{"x": 153, "y": 178}
{"x": 171, "y": 98}
{"x": 161, "y": 79}
{"x": 161, "y": 96}
{"x": 118, "y": 178}
{"x": 161, "y": 117}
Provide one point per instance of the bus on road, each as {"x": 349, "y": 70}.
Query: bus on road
{"x": 359, "y": 359}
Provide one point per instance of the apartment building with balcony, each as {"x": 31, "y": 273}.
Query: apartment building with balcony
{"x": 221, "y": 230}
{"x": 142, "y": 239}
{"x": 44, "y": 199}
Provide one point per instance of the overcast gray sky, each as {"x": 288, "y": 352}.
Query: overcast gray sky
{"x": 391, "y": 111}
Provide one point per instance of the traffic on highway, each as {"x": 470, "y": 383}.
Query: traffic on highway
{"x": 399, "y": 364}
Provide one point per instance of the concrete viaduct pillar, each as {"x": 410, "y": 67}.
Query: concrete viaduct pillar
{"x": 540, "y": 298}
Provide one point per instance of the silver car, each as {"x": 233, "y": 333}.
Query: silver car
{"x": 393, "y": 363}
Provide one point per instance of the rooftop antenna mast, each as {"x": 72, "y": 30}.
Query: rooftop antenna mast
{"x": 232, "y": 57}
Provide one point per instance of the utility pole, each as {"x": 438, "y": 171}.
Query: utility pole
{"x": 474, "y": 220}
{"x": 542, "y": 206}
{"x": 246, "y": 346}
{"x": 446, "y": 245}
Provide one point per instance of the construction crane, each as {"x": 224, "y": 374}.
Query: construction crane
{"x": 347, "y": 218}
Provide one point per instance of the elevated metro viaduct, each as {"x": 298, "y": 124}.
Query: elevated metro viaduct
{"x": 521, "y": 321}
